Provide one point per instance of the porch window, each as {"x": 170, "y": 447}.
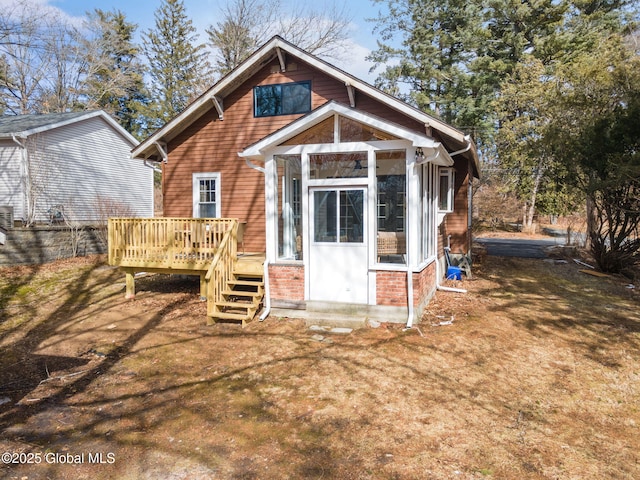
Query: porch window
{"x": 282, "y": 99}
{"x": 289, "y": 187}
{"x": 391, "y": 206}
{"x": 206, "y": 195}
{"x": 427, "y": 208}
{"x": 446, "y": 190}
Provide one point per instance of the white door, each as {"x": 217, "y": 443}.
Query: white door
{"x": 338, "y": 270}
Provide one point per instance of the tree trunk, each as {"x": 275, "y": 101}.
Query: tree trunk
{"x": 530, "y": 206}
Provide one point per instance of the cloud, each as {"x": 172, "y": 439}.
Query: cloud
{"x": 353, "y": 61}
{"x": 40, "y": 8}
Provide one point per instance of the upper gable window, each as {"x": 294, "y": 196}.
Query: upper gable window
{"x": 282, "y": 99}
{"x": 348, "y": 131}
{"x": 352, "y": 131}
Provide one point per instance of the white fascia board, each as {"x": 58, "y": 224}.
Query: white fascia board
{"x": 443, "y": 159}
{"x": 257, "y": 150}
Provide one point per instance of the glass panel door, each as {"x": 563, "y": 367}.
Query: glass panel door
{"x": 338, "y": 260}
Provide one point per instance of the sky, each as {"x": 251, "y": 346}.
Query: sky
{"x": 204, "y": 13}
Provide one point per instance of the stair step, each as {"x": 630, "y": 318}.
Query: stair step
{"x": 240, "y": 273}
{"x": 231, "y": 316}
{"x": 242, "y": 293}
{"x": 238, "y": 305}
{"x": 246, "y": 283}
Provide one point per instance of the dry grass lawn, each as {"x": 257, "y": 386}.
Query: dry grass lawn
{"x": 538, "y": 377}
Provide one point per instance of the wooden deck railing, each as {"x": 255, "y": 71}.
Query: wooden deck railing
{"x": 221, "y": 268}
{"x": 167, "y": 243}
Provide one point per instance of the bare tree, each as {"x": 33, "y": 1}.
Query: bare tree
{"x": 25, "y": 61}
{"x": 44, "y": 61}
{"x": 247, "y": 24}
{"x": 64, "y": 89}
{"x": 41, "y": 67}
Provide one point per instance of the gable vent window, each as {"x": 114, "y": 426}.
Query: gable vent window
{"x": 282, "y": 99}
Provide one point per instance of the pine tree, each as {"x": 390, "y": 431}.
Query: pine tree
{"x": 178, "y": 66}
{"x": 437, "y": 39}
{"x": 115, "y": 82}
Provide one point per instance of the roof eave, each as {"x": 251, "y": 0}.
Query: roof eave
{"x": 203, "y": 103}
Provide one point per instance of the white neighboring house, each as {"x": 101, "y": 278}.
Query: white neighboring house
{"x": 77, "y": 164}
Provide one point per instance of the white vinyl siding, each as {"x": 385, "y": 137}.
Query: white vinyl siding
{"x": 86, "y": 167}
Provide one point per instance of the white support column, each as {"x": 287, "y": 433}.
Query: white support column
{"x": 271, "y": 208}
{"x": 413, "y": 210}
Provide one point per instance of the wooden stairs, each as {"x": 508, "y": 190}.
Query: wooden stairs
{"x": 242, "y": 298}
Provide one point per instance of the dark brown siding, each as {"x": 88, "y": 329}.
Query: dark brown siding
{"x": 211, "y": 145}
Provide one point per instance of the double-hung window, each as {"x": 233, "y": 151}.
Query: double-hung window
{"x": 282, "y": 99}
{"x": 445, "y": 190}
{"x": 206, "y": 195}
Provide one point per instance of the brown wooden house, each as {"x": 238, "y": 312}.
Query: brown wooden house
{"x": 348, "y": 192}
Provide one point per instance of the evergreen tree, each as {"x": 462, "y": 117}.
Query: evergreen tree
{"x": 178, "y": 66}
{"x": 115, "y": 82}
{"x": 429, "y": 68}
{"x": 524, "y": 108}
{"x": 595, "y": 135}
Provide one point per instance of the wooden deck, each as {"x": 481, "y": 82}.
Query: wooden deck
{"x": 191, "y": 246}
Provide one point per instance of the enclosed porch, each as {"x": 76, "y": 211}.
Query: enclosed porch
{"x": 233, "y": 285}
{"x": 353, "y": 207}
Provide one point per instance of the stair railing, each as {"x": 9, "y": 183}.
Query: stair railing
{"x": 221, "y": 268}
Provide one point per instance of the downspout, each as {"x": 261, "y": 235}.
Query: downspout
{"x": 467, "y": 139}
{"x": 265, "y": 271}
{"x": 27, "y": 177}
{"x": 442, "y": 287}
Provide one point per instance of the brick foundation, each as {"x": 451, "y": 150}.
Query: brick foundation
{"x": 286, "y": 283}
{"x": 391, "y": 287}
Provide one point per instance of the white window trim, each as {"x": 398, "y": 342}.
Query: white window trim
{"x": 449, "y": 173}
{"x": 196, "y": 177}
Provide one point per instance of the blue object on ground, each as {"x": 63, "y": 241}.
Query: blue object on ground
{"x": 454, "y": 273}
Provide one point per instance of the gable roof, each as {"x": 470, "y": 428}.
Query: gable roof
{"x": 23, "y": 126}
{"x": 331, "y": 108}
{"x": 277, "y": 47}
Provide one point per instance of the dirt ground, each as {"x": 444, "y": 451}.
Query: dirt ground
{"x": 532, "y": 374}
